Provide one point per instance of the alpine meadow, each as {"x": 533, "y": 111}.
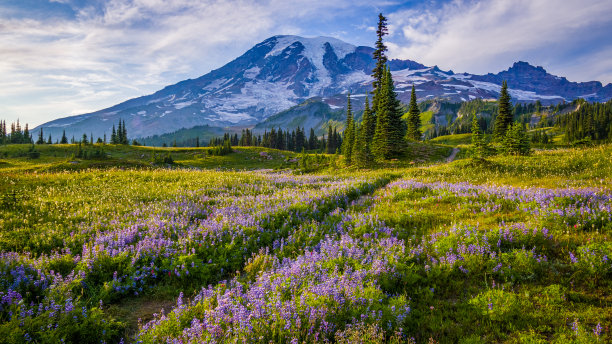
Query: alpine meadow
{"x": 308, "y": 191}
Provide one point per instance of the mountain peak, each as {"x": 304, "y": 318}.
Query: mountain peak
{"x": 285, "y": 70}
{"x": 522, "y": 66}
{"x": 314, "y": 46}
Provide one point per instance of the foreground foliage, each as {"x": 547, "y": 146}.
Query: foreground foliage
{"x": 510, "y": 249}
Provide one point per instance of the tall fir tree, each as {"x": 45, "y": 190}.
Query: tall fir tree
{"x": 2, "y": 132}
{"x": 64, "y": 139}
{"x": 349, "y": 133}
{"x": 49, "y": 141}
{"x": 41, "y": 139}
{"x": 379, "y": 140}
{"x": 114, "y": 136}
{"x": 27, "y": 138}
{"x": 362, "y": 151}
{"x": 330, "y": 149}
{"x": 337, "y": 141}
{"x": 119, "y": 133}
{"x": 124, "y": 134}
{"x": 388, "y": 139}
{"x": 362, "y": 155}
{"x": 481, "y": 147}
{"x": 516, "y": 141}
{"x": 312, "y": 140}
{"x": 368, "y": 121}
{"x": 379, "y": 55}
{"x": 413, "y": 131}
{"x": 504, "y": 116}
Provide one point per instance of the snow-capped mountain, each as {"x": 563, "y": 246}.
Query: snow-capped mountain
{"x": 283, "y": 71}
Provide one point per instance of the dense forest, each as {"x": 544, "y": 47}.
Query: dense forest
{"x": 15, "y": 135}
{"x": 295, "y": 140}
{"x": 591, "y": 121}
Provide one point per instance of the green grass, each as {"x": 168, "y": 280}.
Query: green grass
{"x": 453, "y": 140}
{"x": 565, "y": 167}
{"x": 61, "y": 157}
{"x": 426, "y": 123}
{"x": 56, "y": 202}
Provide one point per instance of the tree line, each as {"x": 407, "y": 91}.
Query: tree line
{"x": 294, "y": 140}
{"x": 591, "y": 121}
{"x": 17, "y": 135}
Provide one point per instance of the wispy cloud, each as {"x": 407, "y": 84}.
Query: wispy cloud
{"x": 485, "y": 36}
{"x": 118, "y": 49}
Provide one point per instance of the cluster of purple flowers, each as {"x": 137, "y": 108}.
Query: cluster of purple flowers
{"x": 307, "y": 298}
{"x": 333, "y": 285}
{"x": 586, "y": 208}
{"x": 188, "y": 232}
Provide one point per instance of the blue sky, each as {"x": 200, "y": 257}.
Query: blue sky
{"x": 66, "y": 57}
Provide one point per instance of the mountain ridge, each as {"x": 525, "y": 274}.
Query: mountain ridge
{"x": 284, "y": 71}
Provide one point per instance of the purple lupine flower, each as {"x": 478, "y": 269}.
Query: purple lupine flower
{"x": 573, "y": 258}
{"x": 576, "y": 326}
{"x": 597, "y": 330}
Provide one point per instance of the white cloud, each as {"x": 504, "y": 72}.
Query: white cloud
{"x": 131, "y": 47}
{"x": 487, "y": 36}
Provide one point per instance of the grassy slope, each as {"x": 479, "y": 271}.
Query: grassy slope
{"x": 60, "y": 157}
{"x": 557, "y": 168}
{"x": 551, "y": 168}
{"x": 453, "y": 140}
{"x": 13, "y": 158}
{"x": 426, "y": 123}
{"x": 541, "y": 318}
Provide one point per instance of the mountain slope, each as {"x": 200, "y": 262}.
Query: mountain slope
{"x": 313, "y": 113}
{"x": 284, "y": 71}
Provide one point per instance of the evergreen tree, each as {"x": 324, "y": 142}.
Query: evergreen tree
{"x": 516, "y": 141}
{"x": 362, "y": 155}
{"x": 349, "y": 133}
{"x": 84, "y": 140}
{"x": 27, "y": 138}
{"x": 64, "y": 139}
{"x": 388, "y": 139}
{"x": 125, "y": 135}
{"x": 330, "y": 149}
{"x": 504, "y": 116}
{"x": 379, "y": 54}
{"x": 337, "y": 141}
{"x": 49, "y": 141}
{"x": 413, "y": 131}
{"x": 2, "y": 132}
{"x": 481, "y": 147}
{"x": 120, "y": 133}
{"x": 114, "y": 140}
{"x": 312, "y": 140}
{"x": 41, "y": 139}
{"x": 368, "y": 123}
